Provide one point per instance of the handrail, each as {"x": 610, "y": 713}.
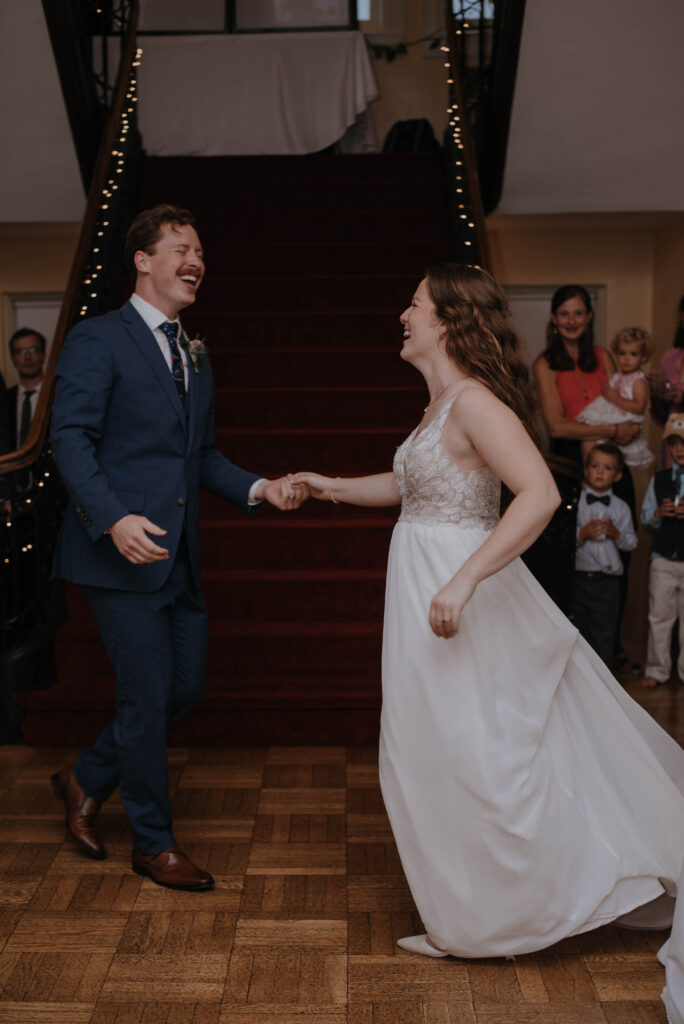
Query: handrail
{"x": 475, "y": 247}
{"x": 29, "y": 451}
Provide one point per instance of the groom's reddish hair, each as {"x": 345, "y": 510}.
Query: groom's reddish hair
{"x": 146, "y": 229}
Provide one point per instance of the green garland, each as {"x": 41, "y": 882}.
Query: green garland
{"x": 382, "y": 51}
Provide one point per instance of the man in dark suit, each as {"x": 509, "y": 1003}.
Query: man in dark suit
{"x": 27, "y": 348}
{"x": 133, "y": 437}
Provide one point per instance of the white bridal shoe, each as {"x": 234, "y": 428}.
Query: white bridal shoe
{"x": 420, "y": 944}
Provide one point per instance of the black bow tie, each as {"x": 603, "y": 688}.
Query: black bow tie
{"x": 603, "y": 498}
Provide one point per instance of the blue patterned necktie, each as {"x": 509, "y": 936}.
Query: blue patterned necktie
{"x": 170, "y": 329}
{"x": 679, "y": 473}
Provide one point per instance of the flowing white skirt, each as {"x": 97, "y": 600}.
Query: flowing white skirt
{"x": 530, "y": 797}
{"x": 672, "y": 957}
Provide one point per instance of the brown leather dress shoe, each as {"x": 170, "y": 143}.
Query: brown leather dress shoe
{"x": 172, "y": 869}
{"x": 80, "y": 812}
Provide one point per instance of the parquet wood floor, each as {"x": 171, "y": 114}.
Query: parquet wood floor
{"x": 301, "y": 926}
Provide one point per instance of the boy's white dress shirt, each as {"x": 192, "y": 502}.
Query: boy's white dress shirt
{"x": 602, "y": 555}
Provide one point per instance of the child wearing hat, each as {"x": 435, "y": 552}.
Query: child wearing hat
{"x": 663, "y": 513}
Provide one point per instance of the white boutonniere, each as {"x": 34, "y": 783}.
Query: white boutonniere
{"x": 196, "y": 350}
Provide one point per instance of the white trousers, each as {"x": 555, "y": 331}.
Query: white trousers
{"x": 665, "y": 605}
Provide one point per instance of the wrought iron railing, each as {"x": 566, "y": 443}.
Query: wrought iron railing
{"x": 468, "y": 230}
{"x": 486, "y": 35}
{"x": 107, "y": 23}
{"x": 31, "y": 497}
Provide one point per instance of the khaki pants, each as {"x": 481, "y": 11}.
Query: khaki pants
{"x": 665, "y": 605}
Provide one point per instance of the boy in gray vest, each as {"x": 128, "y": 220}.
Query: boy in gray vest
{"x": 663, "y": 513}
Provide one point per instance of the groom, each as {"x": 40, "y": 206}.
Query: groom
{"x": 133, "y": 438}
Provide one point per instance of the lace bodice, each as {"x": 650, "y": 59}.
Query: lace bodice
{"x": 434, "y": 490}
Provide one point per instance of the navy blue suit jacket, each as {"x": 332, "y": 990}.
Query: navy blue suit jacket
{"x": 124, "y": 443}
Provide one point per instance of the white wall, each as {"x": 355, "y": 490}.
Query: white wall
{"x": 39, "y": 176}
{"x": 597, "y": 111}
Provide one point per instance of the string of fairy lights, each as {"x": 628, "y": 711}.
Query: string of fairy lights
{"x": 454, "y": 114}
{"x": 123, "y": 141}
{"x": 40, "y": 471}
{"x": 38, "y": 477}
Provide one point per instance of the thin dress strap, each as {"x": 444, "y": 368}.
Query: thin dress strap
{"x": 460, "y": 389}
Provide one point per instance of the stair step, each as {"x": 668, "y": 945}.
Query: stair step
{"x": 282, "y": 595}
{"x": 316, "y": 225}
{"x": 291, "y": 542}
{"x": 357, "y": 594}
{"x": 305, "y": 195}
{"x": 308, "y": 368}
{"x": 330, "y": 330}
{"x": 321, "y": 691}
{"x": 216, "y": 509}
{"x": 237, "y": 651}
{"x": 266, "y": 691}
{"x": 342, "y": 452}
{"x": 298, "y": 292}
{"x": 315, "y": 408}
{"x": 335, "y": 257}
{"x": 214, "y": 173}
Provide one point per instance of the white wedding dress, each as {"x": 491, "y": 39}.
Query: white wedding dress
{"x": 530, "y": 797}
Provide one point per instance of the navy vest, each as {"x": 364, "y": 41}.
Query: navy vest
{"x": 668, "y": 538}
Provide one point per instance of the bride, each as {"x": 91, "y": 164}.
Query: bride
{"x": 530, "y": 798}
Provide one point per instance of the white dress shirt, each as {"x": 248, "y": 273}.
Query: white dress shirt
{"x": 153, "y": 319}
{"x": 603, "y": 555}
{"x": 21, "y": 391}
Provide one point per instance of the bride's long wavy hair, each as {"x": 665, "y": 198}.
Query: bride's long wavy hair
{"x": 480, "y": 338}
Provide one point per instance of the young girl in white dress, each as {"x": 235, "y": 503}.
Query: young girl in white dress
{"x": 529, "y": 797}
{"x": 626, "y": 396}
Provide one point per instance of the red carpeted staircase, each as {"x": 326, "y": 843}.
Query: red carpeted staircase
{"x": 310, "y": 261}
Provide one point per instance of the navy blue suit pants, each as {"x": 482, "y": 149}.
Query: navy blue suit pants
{"x": 157, "y": 643}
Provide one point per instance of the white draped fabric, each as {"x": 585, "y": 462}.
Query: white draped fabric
{"x": 217, "y": 95}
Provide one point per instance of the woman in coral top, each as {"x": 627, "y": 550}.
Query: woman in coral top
{"x": 570, "y": 373}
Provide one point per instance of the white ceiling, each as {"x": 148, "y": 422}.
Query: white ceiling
{"x": 597, "y": 109}
{"x": 39, "y": 176}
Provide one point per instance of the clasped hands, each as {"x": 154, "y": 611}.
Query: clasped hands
{"x": 597, "y": 529}
{"x": 670, "y": 509}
